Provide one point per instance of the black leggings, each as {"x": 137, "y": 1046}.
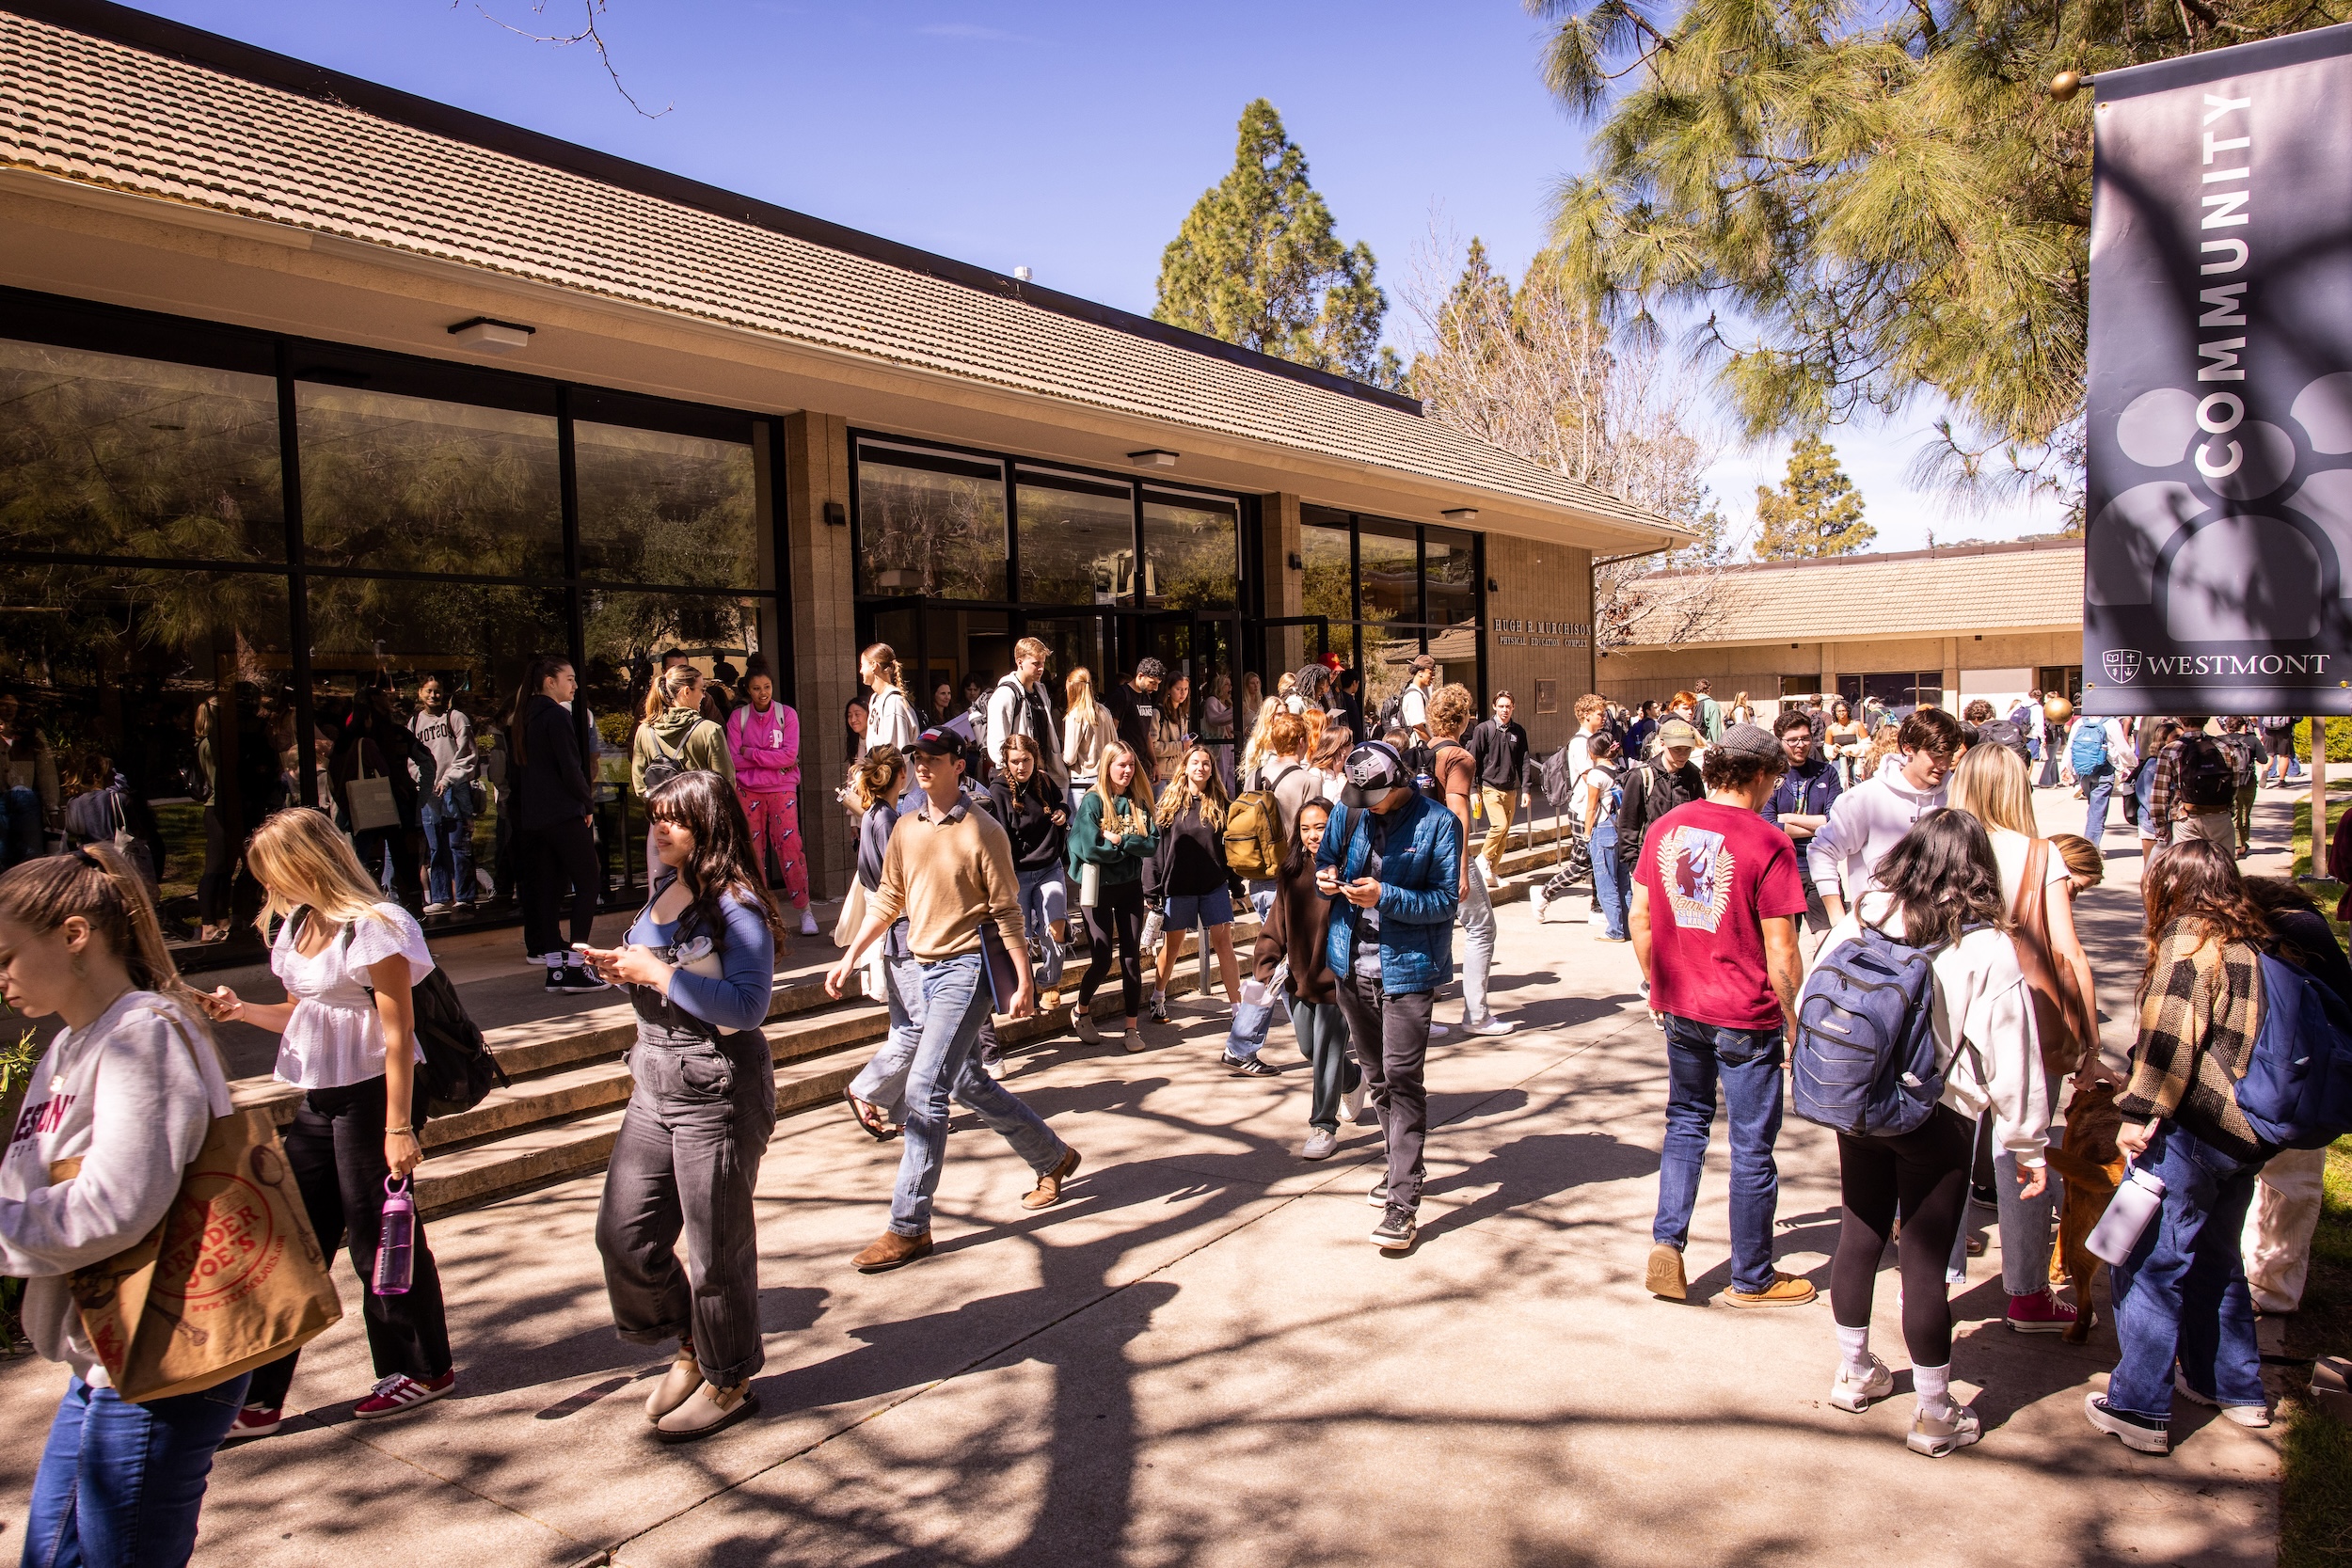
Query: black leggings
{"x": 1923, "y": 1175}
{"x": 551, "y": 859}
{"x": 1117, "y": 917}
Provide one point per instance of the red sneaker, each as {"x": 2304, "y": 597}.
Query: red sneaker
{"x": 2040, "y": 1313}
{"x": 254, "y": 1421}
{"x": 401, "y": 1392}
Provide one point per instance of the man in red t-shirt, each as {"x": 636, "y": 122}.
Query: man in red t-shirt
{"x": 1716, "y": 902}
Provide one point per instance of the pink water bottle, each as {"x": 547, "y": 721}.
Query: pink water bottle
{"x": 396, "y": 1249}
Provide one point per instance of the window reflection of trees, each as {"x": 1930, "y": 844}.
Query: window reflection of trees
{"x": 1194, "y": 553}
{"x": 417, "y": 484}
{"x": 655, "y": 507}
{"x": 1077, "y": 541}
{"x": 938, "y": 532}
{"x": 100, "y": 454}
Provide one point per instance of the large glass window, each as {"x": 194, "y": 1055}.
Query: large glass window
{"x": 1191, "y": 550}
{"x": 930, "y": 523}
{"x": 106, "y": 454}
{"x": 1448, "y": 577}
{"x": 1390, "y": 567}
{"x": 396, "y": 482}
{"x": 657, "y": 507}
{"x": 1077, "y": 538}
{"x": 1330, "y": 586}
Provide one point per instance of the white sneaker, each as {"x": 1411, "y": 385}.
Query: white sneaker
{"x": 1486, "y": 874}
{"x": 2254, "y": 1416}
{"x": 1536, "y": 897}
{"x": 1487, "y": 1025}
{"x": 1352, "y": 1107}
{"x": 1853, "y": 1395}
{"x": 1438, "y": 1030}
{"x": 808, "y": 922}
{"x": 1936, "y": 1436}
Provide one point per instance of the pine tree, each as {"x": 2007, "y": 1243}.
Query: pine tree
{"x": 1256, "y": 264}
{"x": 1815, "y": 511}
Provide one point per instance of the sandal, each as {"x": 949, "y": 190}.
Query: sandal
{"x": 869, "y": 1116}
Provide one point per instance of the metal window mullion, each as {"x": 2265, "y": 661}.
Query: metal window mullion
{"x": 298, "y": 584}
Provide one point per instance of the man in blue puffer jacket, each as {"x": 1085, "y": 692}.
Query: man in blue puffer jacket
{"x": 1393, "y": 860}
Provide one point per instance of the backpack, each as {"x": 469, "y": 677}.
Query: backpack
{"x": 1423, "y": 762}
{"x": 458, "y": 1072}
{"x": 1253, "y": 831}
{"x": 2208, "y": 779}
{"x": 2297, "y": 1088}
{"x": 2087, "y": 752}
{"x": 665, "y": 764}
{"x": 1862, "y": 1061}
{"x": 1391, "y": 717}
{"x": 2004, "y": 731}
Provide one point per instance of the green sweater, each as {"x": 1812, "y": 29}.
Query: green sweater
{"x": 1122, "y": 857}
{"x": 698, "y": 743}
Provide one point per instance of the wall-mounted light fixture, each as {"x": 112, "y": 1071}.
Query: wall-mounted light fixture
{"x": 836, "y": 515}
{"x": 1297, "y": 564}
{"x": 493, "y": 336}
{"x": 1152, "y": 457}
{"x": 1460, "y": 514}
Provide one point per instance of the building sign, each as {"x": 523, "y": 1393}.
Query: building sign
{"x": 2217, "y": 573}
{"x": 1515, "y": 631}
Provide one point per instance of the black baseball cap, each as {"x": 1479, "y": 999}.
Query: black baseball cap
{"x": 1373, "y": 771}
{"x": 936, "y": 742}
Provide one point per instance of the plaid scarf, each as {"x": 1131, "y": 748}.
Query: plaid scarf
{"x": 2198, "y": 1016}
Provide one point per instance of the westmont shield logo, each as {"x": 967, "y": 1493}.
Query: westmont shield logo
{"x": 2121, "y": 664}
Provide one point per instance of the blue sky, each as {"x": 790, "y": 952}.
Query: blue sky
{"x": 1069, "y": 138}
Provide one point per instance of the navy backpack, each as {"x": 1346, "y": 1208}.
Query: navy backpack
{"x": 2297, "y": 1088}
{"x": 1863, "y": 1062}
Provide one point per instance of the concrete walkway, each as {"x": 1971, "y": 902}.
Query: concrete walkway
{"x": 1200, "y": 1359}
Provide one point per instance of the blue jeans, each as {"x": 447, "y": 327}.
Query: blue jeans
{"x": 20, "y": 836}
{"x": 120, "y": 1484}
{"x": 448, "y": 822}
{"x": 1609, "y": 878}
{"x": 1044, "y": 900}
{"x": 1746, "y": 1062}
{"x": 2181, "y": 1295}
{"x": 2099, "y": 785}
{"x": 884, "y": 1080}
{"x": 955, "y": 1004}
{"x": 2142, "y": 783}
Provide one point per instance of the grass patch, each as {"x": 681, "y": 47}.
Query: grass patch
{"x": 2315, "y": 1481}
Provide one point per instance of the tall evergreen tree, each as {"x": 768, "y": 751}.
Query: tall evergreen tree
{"x": 1256, "y": 264}
{"x": 1817, "y": 511}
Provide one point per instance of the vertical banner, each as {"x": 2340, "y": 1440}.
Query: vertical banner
{"x": 2217, "y": 570}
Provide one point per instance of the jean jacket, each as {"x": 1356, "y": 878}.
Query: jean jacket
{"x": 1420, "y": 882}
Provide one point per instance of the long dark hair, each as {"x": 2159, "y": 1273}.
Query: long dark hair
{"x": 541, "y": 671}
{"x": 2196, "y": 880}
{"x": 1298, "y": 862}
{"x": 1944, "y": 878}
{"x": 720, "y": 865}
{"x": 2278, "y": 898}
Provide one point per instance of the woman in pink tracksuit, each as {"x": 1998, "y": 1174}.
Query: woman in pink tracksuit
{"x": 764, "y": 738}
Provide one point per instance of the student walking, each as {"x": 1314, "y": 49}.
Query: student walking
{"x": 1868, "y": 820}
{"x": 699, "y": 965}
{"x": 1111, "y": 840}
{"x": 889, "y": 713}
{"x": 447, "y": 810}
{"x": 1938, "y": 890}
{"x": 555, "y": 847}
{"x": 1800, "y": 804}
{"x": 1714, "y": 923}
{"x": 1032, "y": 810}
{"x": 348, "y": 957}
{"x": 2183, "y": 1320}
{"x": 1019, "y": 706}
{"x": 2238, "y": 743}
{"x": 1134, "y": 708}
{"x": 948, "y": 870}
{"x": 1087, "y": 727}
{"x": 2100, "y": 753}
{"x": 1498, "y": 748}
{"x": 1293, "y": 951}
{"x": 764, "y": 748}
{"x": 1600, "y": 792}
{"x": 126, "y": 1092}
{"x": 1188, "y": 880}
{"x": 1457, "y": 769}
{"x": 877, "y": 781}
{"x": 1655, "y": 788}
{"x": 1391, "y": 859}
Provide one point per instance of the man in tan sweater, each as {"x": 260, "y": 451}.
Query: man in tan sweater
{"x": 948, "y": 872}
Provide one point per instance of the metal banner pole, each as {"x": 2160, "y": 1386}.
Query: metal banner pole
{"x": 2319, "y": 797}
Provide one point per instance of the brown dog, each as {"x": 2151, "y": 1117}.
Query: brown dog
{"x": 2092, "y": 1167}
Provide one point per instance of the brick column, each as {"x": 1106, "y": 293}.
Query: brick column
{"x": 823, "y": 623}
{"x": 1281, "y": 538}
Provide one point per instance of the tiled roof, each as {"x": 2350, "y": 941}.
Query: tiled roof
{"x": 1938, "y": 592}
{"x": 95, "y": 109}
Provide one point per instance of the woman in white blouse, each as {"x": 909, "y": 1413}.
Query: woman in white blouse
{"x": 889, "y": 717}
{"x": 347, "y": 958}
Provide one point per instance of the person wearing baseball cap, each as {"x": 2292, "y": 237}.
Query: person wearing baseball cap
{"x": 1716, "y": 900}
{"x": 1391, "y": 864}
{"x": 1658, "y": 784}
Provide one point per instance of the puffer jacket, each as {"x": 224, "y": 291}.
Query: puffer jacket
{"x": 1420, "y": 880}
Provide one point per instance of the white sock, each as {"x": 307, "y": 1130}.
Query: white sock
{"x": 555, "y": 961}
{"x": 1933, "y": 1385}
{"x": 1853, "y": 1344}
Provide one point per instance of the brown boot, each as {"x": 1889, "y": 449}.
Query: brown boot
{"x": 1048, "y": 1189}
{"x": 892, "y": 1250}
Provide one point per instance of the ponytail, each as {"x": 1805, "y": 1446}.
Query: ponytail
{"x": 97, "y": 883}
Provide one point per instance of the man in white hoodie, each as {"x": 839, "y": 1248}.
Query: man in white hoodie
{"x": 1872, "y": 819}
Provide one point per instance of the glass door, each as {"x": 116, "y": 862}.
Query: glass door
{"x": 1198, "y": 700}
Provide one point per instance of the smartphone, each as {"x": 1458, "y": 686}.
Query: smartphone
{"x": 580, "y": 947}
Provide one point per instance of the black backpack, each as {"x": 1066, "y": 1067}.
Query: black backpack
{"x": 2208, "y": 779}
{"x": 1391, "y": 717}
{"x": 458, "y": 1072}
{"x": 2004, "y": 731}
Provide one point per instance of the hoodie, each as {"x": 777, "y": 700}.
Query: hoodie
{"x": 766, "y": 748}
{"x": 1863, "y": 824}
{"x": 132, "y": 1097}
{"x": 693, "y": 741}
{"x": 548, "y": 782}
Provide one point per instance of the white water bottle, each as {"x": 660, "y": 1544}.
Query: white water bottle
{"x": 1151, "y": 924}
{"x": 2129, "y": 1210}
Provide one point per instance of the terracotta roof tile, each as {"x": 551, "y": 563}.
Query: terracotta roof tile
{"x": 1903, "y": 593}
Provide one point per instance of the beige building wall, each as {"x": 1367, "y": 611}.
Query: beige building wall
{"x": 1539, "y": 633}
{"x": 1999, "y": 666}
{"x": 823, "y": 629}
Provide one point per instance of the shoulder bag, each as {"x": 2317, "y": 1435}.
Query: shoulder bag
{"x": 371, "y": 797}
{"x": 2063, "y": 1020}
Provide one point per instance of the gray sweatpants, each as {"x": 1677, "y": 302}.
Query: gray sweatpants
{"x": 686, "y": 1160}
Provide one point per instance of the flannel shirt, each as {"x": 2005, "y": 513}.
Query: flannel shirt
{"x": 2164, "y": 795}
{"x": 2198, "y": 1015}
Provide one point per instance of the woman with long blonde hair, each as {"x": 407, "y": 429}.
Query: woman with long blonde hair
{"x": 889, "y": 714}
{"x": 347, "y": 957}
{"x": 122, "y": 1099}
{"x": 1259, "y": 748}
{"x": 1188, "y": 875}
{"x": 1113, "y": 834}
{"x": 1087, "y": 727}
